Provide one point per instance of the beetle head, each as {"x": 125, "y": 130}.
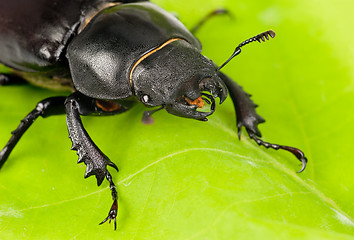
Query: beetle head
{"x": 180, "y": 79}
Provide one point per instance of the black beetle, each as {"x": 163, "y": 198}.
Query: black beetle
{"x": 111, "y": 55}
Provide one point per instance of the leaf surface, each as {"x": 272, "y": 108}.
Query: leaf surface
{"x": 184, "y": 179}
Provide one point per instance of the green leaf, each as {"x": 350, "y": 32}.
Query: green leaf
{"x": 184, "y": 179}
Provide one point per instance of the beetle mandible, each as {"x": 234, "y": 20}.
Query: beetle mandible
{"x": 111, "y": 55}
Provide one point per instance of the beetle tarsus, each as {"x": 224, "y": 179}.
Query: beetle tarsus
{"x": 112, "y": 214}
{"x": 45, "y": 108}
{"x": 297, "y": 152}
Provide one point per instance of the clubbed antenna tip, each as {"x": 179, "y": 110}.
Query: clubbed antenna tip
{"x": 260, "y": 37}
{"x": 264, "y": 35}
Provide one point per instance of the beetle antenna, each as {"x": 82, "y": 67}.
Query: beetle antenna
{"x": 147, "y": 119}
{"x": 260, "y": 37}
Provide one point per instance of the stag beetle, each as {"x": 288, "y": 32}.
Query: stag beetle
{"x": 111, "y": 55}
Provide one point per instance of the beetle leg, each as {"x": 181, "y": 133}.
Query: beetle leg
{"x": 10, "y": 79}
{"x": 45, "y": 108}
{"x": 245, "y": 108}
{"x": 218, "y": 11}
{"x": 96, "y": 161}
{"x": 247, "y": 117}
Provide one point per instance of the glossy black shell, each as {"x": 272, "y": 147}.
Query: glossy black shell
{"x": 34, "y": 34}
{"x": 102, "y": 55}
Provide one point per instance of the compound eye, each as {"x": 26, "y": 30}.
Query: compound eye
{"x": 145, "y": 98}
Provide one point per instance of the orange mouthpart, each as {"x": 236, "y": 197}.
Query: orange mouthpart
{"x": 199, "y": 102}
